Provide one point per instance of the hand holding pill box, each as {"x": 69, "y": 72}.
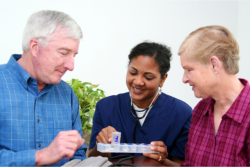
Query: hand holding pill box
{"x": 118, "y": 147}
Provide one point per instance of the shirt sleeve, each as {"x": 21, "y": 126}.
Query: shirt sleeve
{"x": 96, "y": 128}
{"x": 187, "y": 148}
{"x": 77, "y": 125}
{"x": 21, "y": 158}
{"x": 248, "y": 148}
{"x": 186, "y": 163}
{"x": 178, "y": 151}
{"x": 187, "y": 154}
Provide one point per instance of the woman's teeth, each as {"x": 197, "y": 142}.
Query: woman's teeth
{"x": 138, "y": 89}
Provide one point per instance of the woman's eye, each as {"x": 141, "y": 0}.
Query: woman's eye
{"x": 149, "y": 78}
{"x": 132, "y": 73}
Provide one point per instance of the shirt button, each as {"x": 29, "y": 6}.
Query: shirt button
{"x": 39, "y": 145}
{"x": 31, "y": 79}
{"x": 38, "y": 120}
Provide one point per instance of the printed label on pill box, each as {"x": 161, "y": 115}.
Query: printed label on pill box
{"x": 116, "y": 137}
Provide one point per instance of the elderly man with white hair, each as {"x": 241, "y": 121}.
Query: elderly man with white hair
{"x": 39, "y": 115}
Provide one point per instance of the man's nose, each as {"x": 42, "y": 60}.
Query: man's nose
{"x": 69, "y": 63}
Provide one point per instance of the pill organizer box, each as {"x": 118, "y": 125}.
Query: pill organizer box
{"x": 124, "y": 148}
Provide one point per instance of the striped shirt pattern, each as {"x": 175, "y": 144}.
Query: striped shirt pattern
{"x": 30, "y": 120}
{"x": 231, "y": 145}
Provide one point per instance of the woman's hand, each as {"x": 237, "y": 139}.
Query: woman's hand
{"x": 105, "y": 135}
{"x": 161, "y": 148}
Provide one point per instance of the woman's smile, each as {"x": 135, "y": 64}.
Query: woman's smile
{"x": 138, "y": 91}
{"x": 143, "y": 80}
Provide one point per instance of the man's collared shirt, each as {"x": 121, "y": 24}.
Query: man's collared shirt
{"x": 231, "y": 145}
{"x": 30, "y": 120}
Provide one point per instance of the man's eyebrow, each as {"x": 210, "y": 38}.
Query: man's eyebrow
{"x": 64, "y": 49}
{"x": 67, "y": 50}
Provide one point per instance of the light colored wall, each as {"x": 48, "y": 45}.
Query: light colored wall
{"x": 243, "y": 36}
{"x": 112, "y": 27}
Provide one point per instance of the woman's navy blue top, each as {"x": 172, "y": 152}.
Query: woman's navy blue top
{"x": 167, "y": 121}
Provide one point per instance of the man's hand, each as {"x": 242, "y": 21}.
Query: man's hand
{"x": 105, "y": 135}
{"x": 64, "y": 145}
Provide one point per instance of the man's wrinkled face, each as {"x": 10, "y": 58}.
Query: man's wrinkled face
{"x": 53, "y": 60}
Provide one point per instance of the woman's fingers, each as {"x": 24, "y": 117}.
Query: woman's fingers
{"x": 101, "y": 138}
{"x": 157, "y": 143}
{"x": 159, "y": 147}
{"x": 151, "y": 155}
{"x": 110, "y": 130}
{"x": 105, "y": 135}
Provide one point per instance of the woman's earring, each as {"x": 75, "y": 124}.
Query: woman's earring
{"x": 160, "y": 90}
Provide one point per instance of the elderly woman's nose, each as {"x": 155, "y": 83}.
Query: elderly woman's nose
{"x": 184, "y": 78}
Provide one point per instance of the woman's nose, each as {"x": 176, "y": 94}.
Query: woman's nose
{"x": 138, "y": 81}
{"x": 185, "y": 78}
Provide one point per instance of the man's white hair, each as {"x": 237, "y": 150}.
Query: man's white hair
{"x": 43, "y": 24}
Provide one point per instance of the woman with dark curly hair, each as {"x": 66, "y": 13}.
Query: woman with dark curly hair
{"x": 144, "y": 114}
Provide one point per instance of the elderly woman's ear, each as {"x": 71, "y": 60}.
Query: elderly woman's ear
{"x": 215, "y": 63}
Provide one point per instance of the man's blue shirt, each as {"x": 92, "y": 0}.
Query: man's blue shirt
{"x": 30, "y": 120}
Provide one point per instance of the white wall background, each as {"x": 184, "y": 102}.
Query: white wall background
{"x": 112, "y": 27}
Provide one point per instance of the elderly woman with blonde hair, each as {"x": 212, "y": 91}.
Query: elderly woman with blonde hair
{"x": 219, "y": 133}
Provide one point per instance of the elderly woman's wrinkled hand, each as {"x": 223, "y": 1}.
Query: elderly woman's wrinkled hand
{"x": 161, "y": 148}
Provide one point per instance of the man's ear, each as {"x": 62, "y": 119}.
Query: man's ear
{"x": 163, "y": 80}
{"x": 33, "y": 46}
{"x": 215, "y": 63}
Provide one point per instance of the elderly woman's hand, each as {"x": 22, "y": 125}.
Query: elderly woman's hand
{"x": 105, "y": 135}
{"x": 161, "y": 148}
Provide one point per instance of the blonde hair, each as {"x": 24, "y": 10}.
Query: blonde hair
{"x": 207, "y": 41}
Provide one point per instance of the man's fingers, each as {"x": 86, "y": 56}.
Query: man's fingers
{"x": 69, "y": 153}
{"x": 74, "y": 138}
{"x": 64, "y": 145}
{"x": 82, "y": 141}
{"x": 71, "y": 146}
{"x": 69, "y": 133}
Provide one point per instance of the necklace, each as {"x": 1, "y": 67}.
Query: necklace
{"x": 135, "y": 116}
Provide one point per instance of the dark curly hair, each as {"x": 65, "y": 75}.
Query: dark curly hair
{"x": 161, "y": 53}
